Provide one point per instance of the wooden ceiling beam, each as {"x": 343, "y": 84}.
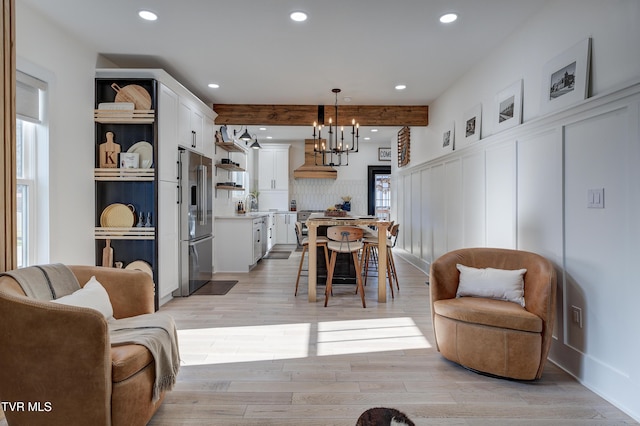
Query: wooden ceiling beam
{"x": 305, "y": 115}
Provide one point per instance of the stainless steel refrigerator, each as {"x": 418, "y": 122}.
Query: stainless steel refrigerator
{"x": 196, "y": 221}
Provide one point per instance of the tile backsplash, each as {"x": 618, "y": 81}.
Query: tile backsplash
{"x": 319, "y": 194}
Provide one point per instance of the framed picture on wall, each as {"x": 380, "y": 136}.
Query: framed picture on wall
{"x": 509, "y": 107}
{"x": 384, "y": 154}
{"x": 448, "y": 137}
{"x": 472, "y": 122}
{"x": 565, "y": 78}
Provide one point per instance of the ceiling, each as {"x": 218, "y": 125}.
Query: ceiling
{"x": 258, "y": 55}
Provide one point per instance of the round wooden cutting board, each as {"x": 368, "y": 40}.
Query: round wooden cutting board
{"x": 138, "y": 95}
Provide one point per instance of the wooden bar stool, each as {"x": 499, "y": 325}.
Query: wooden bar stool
{"x": 344, "y": 239}
{"x": 304, "y": 242}
{"x": 370, "y": 254}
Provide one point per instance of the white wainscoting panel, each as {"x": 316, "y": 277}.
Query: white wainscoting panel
{"x": 501, "y": 181}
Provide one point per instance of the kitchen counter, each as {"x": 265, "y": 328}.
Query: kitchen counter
{"x": 240, "y": 241}
{"x": 250, "y": 215}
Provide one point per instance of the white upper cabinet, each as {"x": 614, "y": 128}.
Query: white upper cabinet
{"x": 167, "y": 134}
{"x": 190, "y": 126}
{"x": 273, "y": 168}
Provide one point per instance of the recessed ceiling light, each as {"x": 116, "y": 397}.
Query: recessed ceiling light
{"x": 347, "y": 99}
{"x": 263, "y": 128}
{"x": 401, "y": 86}
{"x": 269, "y": 137}
{"x": 374, "y": 130}
{"x": 367, "y": 138}
{"x": 214, "y": 85}
{"x": 147, "y": 15}
{"x": 298, "y": 16}
{"x": 448, "y": 18}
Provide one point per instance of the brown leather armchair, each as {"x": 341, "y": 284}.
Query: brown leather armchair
{"x": 58, "y": 358}
{"x": 497, "y": 337}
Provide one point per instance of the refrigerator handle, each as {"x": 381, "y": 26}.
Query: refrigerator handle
{"x": 202, "y": 208}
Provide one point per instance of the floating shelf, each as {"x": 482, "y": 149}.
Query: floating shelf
{"x": 230, "y": 167}
{"x": 136, "y": 116}
{"x": 115, "y": 174}
{"x": 141, "y": 233}
{"x": 230, "y": 188}
{"x": 230, "y": 146}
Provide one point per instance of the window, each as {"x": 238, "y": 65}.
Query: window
{"x": 29, "y": 92}
{"x": 379, "y": 192}
{"x": 25, "y": 144}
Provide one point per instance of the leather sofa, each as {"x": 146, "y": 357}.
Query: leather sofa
{"x": 58, "y": 362}
{"x": 496, "y": 337}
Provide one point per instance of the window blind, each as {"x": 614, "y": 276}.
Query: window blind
{"x": 28, "y": 90}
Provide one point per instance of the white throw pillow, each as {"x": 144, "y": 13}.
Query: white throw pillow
{"x": 501, "y": 284}
{"x": 93, "y": 296}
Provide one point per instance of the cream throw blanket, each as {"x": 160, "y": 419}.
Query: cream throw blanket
{"x": 157, "y": 332}
{"x": 45, "y": 282}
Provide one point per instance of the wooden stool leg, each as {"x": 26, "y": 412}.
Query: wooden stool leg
{"x": 392, "y": 265}
{"x": 304, "y": 249}
{"x": 365, "y": 261}
{"x": 326, "y": 254}
{"x": 359, "y": 278}
{"x": 390, "y": 277}
{"x": 327, "y": 290}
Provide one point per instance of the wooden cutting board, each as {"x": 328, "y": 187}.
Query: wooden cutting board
{"x": 134, "y": 93}
{"x": 107, "y": 254}
{"x": 109, "y": 152}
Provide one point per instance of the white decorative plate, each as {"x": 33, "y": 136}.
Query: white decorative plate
{"x": 145, "y": 149}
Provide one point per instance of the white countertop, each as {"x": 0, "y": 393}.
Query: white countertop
{"x": 249, "y": 215}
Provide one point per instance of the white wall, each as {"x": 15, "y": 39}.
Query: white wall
{"x": 526, "y": 187}
{"x": 68, "y": 66}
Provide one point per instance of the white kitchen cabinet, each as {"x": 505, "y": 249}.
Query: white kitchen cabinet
{"x": 190, "y": 126}
{"x": 286, "y": 228}
{"x": 167, "y": 134}
{"x": 168, "y": 239}
{"x": 273, "y": 168}
{"x": 271, "y": 230}
{"x": 273, "y": 177}
{"x": 238, "y": 243}
{"x": 208, "y": 136}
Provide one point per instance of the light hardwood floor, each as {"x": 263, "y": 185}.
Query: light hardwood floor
{"x": 260, "y": 356}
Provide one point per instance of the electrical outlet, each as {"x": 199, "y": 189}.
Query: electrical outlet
{"x": 576, "y": 315}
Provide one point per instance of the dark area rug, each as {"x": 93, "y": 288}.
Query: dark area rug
{"x": 215, "y": 288}
{"x": 273, "y": 254}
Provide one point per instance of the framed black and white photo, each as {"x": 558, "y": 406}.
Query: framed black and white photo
{"x": 384, "y": 154}
{"x": 448, "y": 137}
{"x": 565, "y": 78}
{"x": 509, "y": 107}
{"x": 472, "y": 122}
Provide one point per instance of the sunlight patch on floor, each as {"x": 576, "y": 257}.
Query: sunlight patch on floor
{"x": 370, "y": 335}
{"x": 222, "y": 345}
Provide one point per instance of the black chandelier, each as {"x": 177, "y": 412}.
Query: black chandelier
{"x": 335, "y": 151}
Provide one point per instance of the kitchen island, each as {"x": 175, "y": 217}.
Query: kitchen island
{"x": 319, "y": 219}
{"x": 240, "y": 241}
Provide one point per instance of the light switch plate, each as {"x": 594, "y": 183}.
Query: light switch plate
{"x": 595, "y": 198}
